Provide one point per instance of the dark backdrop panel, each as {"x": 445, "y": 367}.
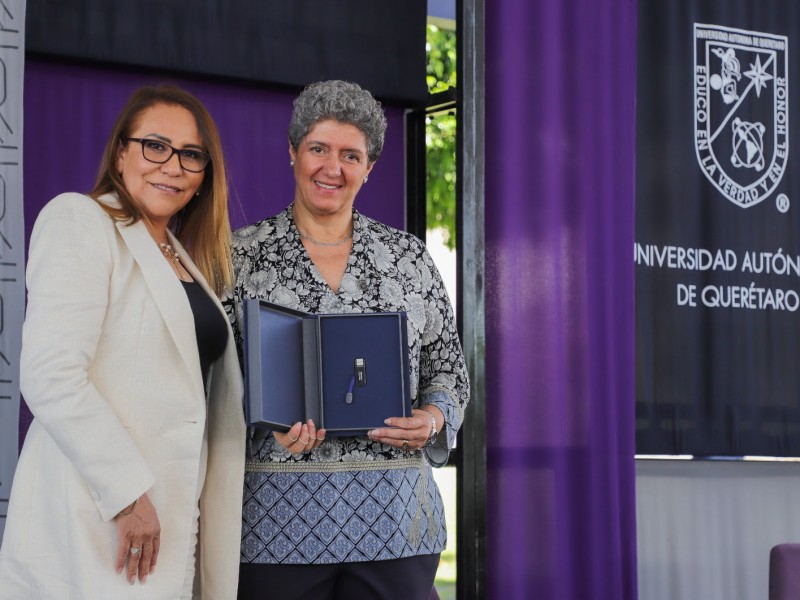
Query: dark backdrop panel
{"x": 377, "y": 43}
{"x": 718, "y": 374}
{"x": 69, "y": 111}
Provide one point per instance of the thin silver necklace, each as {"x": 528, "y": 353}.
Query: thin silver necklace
{"x": 327, "y": 244}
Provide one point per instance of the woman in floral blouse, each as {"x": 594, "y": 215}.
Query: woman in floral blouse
{"x": 347, "y": 517}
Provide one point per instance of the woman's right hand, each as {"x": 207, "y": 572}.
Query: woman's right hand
{"x": 302, "y": 437}
{"x": 139, "y": 529}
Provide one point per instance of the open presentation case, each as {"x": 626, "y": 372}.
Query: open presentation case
{"x": 346, "y": 372}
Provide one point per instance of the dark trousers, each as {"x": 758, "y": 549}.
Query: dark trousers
{"x": 399, "y": 579}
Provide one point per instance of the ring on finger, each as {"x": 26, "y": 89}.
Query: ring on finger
{"x": 134, "y": 550}
{"x": 405, "y": 445}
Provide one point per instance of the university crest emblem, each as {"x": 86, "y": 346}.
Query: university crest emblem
{"x": 741, "y": 110}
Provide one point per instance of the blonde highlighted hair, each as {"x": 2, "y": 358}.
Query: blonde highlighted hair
{"x": 202, "y": 226}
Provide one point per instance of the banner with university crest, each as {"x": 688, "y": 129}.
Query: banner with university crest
{"x": 717, "y": 250}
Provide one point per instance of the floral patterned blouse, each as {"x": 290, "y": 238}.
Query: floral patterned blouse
{"x": 351, "y": 499}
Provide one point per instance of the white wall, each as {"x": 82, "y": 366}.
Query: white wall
{"x": 445, "y": 261}
{"x": 705, "y": 528}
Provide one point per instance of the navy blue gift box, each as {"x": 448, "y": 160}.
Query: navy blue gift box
{"x": 346, "y": 372}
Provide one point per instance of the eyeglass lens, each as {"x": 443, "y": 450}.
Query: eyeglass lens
{"x": 159, "y": 152}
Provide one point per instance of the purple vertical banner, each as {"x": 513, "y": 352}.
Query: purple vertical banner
{"x": 560, "y": 166}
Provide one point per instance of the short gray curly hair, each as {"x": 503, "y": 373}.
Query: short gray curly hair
{"x": 342, "y": 101}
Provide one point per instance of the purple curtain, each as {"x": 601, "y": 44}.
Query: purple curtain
{"x": 70, "y": 109}
{"x": 560, "y": 134}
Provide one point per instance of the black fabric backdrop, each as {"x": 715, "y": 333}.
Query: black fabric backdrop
{"x": 717, "y": 328}
{"x": 379, "y": 44}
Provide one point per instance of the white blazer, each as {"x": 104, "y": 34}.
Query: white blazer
{"x": 111, "y": 372}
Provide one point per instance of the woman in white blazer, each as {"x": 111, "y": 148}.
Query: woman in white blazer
{"x": 135, "y": 456}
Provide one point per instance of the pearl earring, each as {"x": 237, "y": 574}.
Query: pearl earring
{"x": 365, "y": 178}
{"x": 291, "y": 163}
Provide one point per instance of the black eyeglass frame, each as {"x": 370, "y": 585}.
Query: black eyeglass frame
{"x": 174, "y": 150}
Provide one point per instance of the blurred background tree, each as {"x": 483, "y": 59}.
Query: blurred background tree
{"x": 440, "y": 136}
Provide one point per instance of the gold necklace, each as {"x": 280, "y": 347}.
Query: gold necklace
{"x": 175, "y": 258}
{"x": 169, "y": 252}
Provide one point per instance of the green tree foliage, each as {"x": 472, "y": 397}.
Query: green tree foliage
{"x": 441, "y": 50}
{"x": 440, "y": 136}
{"x": 440, "y": 139}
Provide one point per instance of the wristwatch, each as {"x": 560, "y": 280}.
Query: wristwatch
{"x": 432, "y": 437}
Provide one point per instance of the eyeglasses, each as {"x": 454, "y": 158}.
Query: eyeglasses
{"x": 159, "y": 152}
